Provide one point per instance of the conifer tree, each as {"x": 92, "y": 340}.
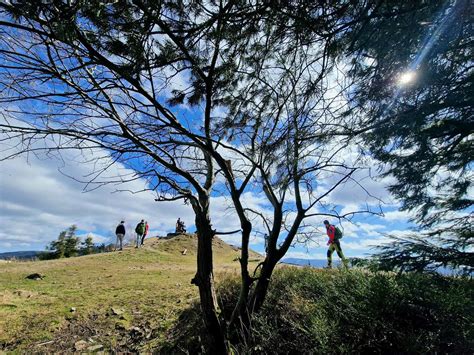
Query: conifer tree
{"x": 414, "y": 95}
{"x": 101, "y": 75}
{"x": 58, "y": 246}
{"x": 88, "y": 245}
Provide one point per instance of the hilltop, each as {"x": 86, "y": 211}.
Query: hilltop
{"x": 142, "y": 301}
{"x": 121, "y": 301}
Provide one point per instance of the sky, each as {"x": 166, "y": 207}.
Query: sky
{"x": 39, "y": 199}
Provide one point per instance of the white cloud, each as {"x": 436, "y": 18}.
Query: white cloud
{"x": 96, "y": 238}
{"x": 370, "y": 230}
{"x": 398, "y": 215}
{"x": 37, "y": 202}
{"x": 364, "y": 244}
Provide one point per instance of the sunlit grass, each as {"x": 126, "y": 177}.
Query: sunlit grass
{"x": 151, "y": 285}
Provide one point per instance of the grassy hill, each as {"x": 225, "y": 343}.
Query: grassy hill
{"x": 122, "y": 300}
{"x": 142, "y": 300}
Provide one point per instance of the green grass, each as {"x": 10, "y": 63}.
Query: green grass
{"x": 315, "y": 311}
{"x": 306, "y": 311}
{"x": 361, "y": 312}
{"x": 150, "y": 285}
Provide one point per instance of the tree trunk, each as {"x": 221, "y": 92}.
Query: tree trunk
{"x": 204, "y": 279}
{"x": 240, "y": 313}
{"x": 260, "y": 292}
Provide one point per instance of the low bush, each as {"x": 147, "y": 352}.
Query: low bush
{"x": 320, "y": 311}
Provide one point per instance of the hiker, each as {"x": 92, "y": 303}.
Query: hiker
{"x": 146, "y": 232}
{"x": 140, "y": 230}
{"x": 180, "y": 227}
{"x": 334, "y": 234}
{"x": 120, "y": 233}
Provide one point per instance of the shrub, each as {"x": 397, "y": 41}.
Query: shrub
{"x": 318, "y": 311}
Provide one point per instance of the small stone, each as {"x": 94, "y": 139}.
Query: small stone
{"x": 80, "y": 345}
{"x": 119, "y": 326}
{"x": 73, "y": 309}
{"x": 97, "y": 347}
{"x": 35, "y": 277}
{"x": 117, "y": 311}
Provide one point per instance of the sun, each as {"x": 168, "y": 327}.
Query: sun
{"x": 406, "y": 77}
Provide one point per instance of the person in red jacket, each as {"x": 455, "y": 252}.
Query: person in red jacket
{"x": 145, "y": 233}
{"x": 334, "y": 244}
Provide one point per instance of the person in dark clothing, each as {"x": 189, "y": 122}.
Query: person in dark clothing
{"x": 145, "y": 233}
{"x": 180, "y": 226}
{"x": 334, "y": 244}
{"x": 120, "y": 233}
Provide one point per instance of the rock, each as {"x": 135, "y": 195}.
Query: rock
{"x": 117, "y": 311}
{"x": 35, "y": 276}
{"x": 97, "y": 347}
{"x": 136, "y": 333}
{"x": 73, "y": 309}
{"x": 81, "y": 345}
{"x": 119, "y": 326}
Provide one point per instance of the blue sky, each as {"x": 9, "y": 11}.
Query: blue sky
{"x": 38, "y": 200}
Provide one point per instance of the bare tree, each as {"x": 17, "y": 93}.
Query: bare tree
{"x": 113, "y": 77}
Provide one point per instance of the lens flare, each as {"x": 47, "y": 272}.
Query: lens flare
{"x": 406, "y": 77}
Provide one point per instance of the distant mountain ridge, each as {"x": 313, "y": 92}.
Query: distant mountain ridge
{"x": 316, "y": 263}
{"x": 22, "y": 255}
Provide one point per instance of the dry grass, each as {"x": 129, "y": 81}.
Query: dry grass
{"x": 149, "y": 287}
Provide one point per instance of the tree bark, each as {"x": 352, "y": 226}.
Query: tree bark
{"x": 260, "y": 292}
{"x": 204, "y": 279}
{"x": 240, "y": 312}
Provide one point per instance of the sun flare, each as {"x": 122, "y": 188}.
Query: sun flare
{"x": 406, "y": 77}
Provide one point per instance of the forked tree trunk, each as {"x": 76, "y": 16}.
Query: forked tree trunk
{"x": 240, "y": 318}
{"x": 204, "y": 279}
{"x": 261, "y": 288}
{"x": 250, "y": 303}
{"x": 273, "y": 256}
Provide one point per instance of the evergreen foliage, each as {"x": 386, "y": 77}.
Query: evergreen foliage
{"x": 421, "y": 130}
{"x": 66, "y": 246}
{"x": 88, "y": 245}
{"x": 116, "y": 62}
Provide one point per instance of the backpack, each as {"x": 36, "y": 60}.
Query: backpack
{"x": 140, "y": 229}
{"x": 337, "y": 233}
